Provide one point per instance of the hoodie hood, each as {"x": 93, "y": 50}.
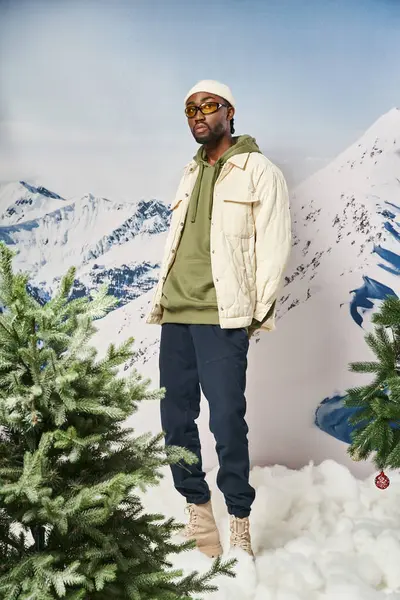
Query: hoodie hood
{"x": 243, "y": 144}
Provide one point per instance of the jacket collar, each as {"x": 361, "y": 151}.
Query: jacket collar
{"x": 238, "y": 160}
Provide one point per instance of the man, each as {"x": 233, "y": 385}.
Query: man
{"x": 227, "y": 248}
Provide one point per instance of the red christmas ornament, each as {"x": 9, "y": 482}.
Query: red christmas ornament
{"x": 382, "y": 481}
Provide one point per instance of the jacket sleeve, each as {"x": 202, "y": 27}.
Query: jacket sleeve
{"x": 273, "y": 237}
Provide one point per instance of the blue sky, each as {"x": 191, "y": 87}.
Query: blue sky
{"x": 91, "y": 92}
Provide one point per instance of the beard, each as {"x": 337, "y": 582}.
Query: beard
{"x": 211, "y": 136}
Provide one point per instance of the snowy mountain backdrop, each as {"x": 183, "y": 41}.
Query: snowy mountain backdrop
{"x": 345, "y": 259}
{"x": 106, "y": 241}
{"x": 346, "y": 224}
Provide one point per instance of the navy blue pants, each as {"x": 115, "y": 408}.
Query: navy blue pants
{"x": 215, "y": 359}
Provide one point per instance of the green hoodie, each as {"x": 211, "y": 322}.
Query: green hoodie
{"x": 188, "y": 293}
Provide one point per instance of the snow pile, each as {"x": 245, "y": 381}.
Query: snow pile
{"x": 318, "y": 534}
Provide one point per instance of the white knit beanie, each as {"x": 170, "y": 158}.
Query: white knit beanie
{"x": 212, "y": 87}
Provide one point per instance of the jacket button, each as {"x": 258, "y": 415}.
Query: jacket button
{"x": 186, "y": 195}
{"x": 217, "y": 280}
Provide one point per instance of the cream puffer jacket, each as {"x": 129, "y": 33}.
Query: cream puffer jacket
{"x": 250, "y": 239}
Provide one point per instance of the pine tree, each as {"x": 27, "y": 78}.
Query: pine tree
{"x": 72, "y": 524}
{"x": 377, "y": 418}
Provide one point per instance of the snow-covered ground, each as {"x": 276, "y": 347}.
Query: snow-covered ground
{"x": 318, "y": 534}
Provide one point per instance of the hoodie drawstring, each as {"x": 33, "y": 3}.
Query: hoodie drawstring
{"x": 217, "y": 171}
{"x": 196, "y": 192}
{"x": 197, "y": 187}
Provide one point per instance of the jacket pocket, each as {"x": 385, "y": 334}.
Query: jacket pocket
{"x": 237, "y": 216}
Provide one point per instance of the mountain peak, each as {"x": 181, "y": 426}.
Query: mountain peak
{"x": 21, "y": 201}
{"x": 41, "y": 190}
{"x": 386, "y": 126}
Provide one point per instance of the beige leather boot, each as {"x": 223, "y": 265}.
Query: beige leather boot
{"x": 240, "y": 534}
{"x": 203, "y": 529}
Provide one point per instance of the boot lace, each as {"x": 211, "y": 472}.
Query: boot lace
{"x": 240, "y": 534}
{"x": 191, "y": 526}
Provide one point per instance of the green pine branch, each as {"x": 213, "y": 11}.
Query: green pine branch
{"x": 72, "y": 475}
{"x": 377, "y": 421}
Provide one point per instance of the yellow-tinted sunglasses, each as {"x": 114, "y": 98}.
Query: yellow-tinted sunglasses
{"x": 207, "y": 108}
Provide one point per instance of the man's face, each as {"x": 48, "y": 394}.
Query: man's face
{"x": 209, "y": 128}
